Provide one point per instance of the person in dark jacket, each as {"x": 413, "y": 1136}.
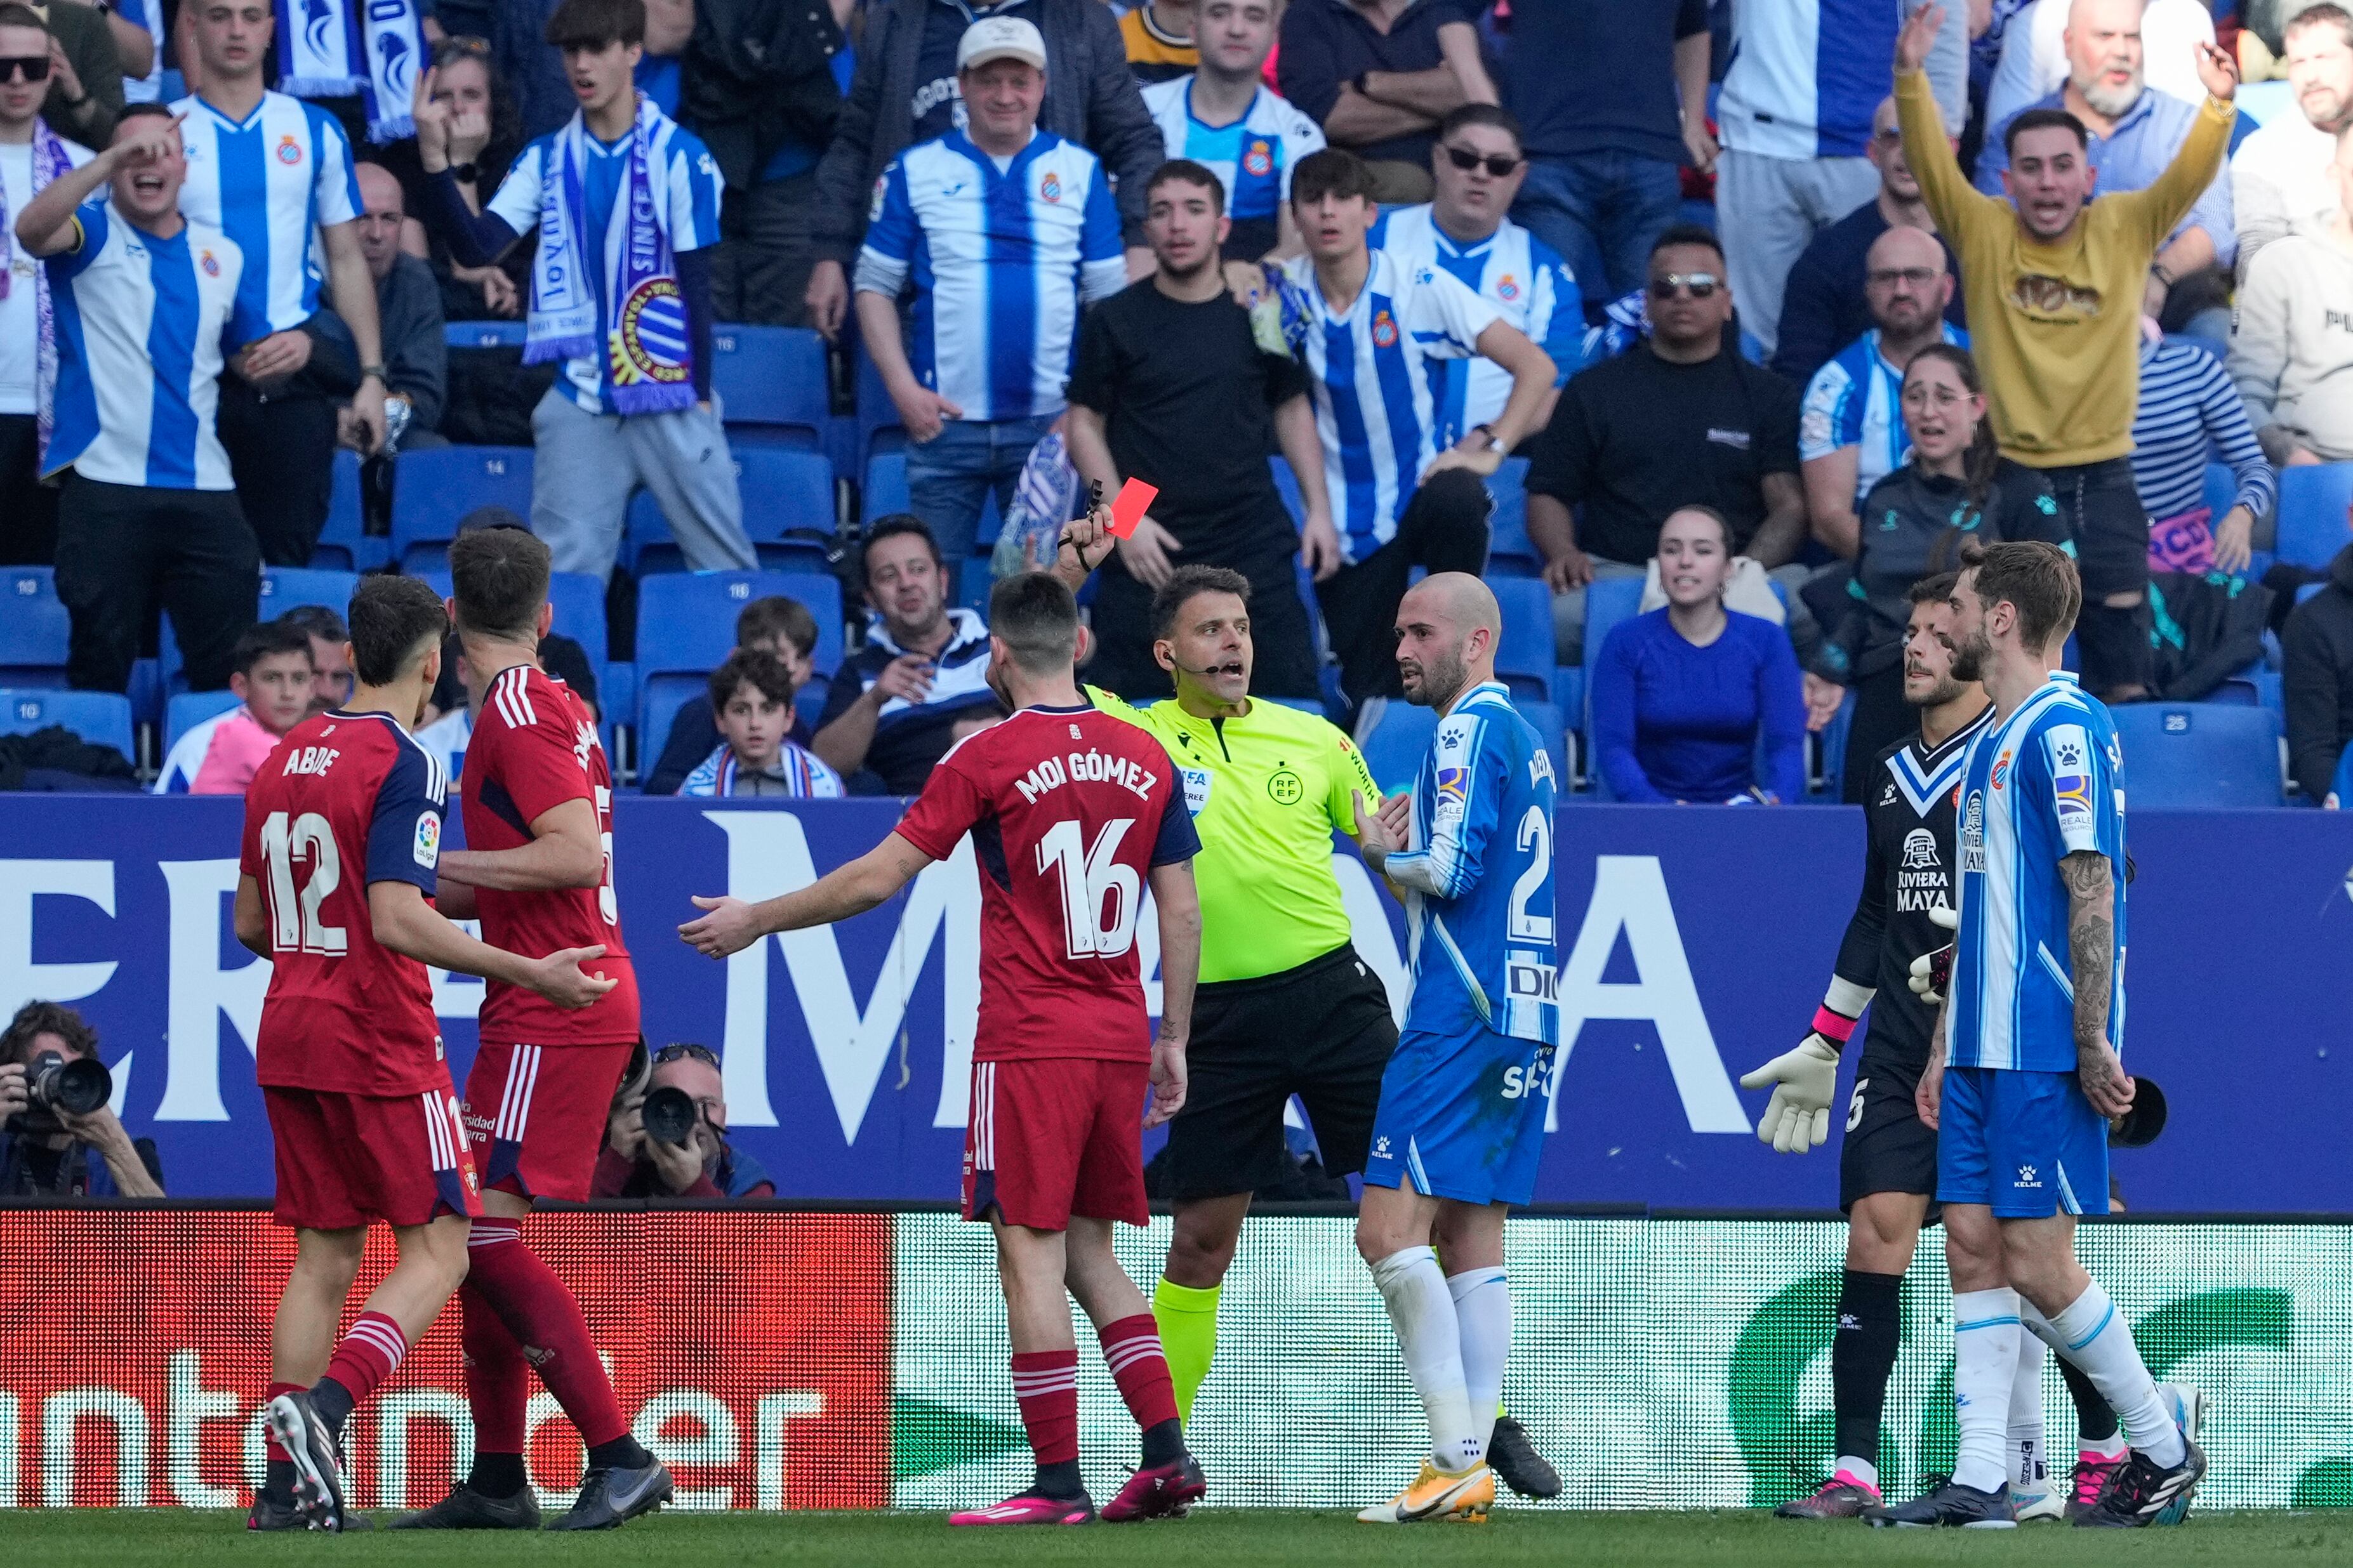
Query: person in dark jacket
{"x": 904, "y": 92}
{"x": 408, "y": 311}
{"x": 1955, "y": 487}
{"x": 2318, "y": 680}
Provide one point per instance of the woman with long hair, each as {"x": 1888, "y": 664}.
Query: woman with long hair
{"x": 485, "y": 136}
{"x": 1955, "y": 487}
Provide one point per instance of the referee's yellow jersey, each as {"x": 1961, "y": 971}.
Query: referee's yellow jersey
{"x": 1267, "y": 791}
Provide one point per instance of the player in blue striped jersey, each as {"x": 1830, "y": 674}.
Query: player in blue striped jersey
{"x": 1225, "y": 118}
{"x": 275, "y": 175}
{"x": 1366, "y": 327}
{"x": 1003, "y": 229}
{"x": 1463, "y": 232}
{"x": 2024, "y": 1072}
{"x": 1460, "y": 1123}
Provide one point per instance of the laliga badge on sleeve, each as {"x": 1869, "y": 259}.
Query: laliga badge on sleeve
{"x": 1127, "y": 508}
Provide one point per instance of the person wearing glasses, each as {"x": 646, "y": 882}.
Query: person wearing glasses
{"x": 32, "y": 153}
{"x": 1679, "y": 420}
{"x": 1823, "y": 305}
{"x": 634, "y": 1165}
{"x": 1478, "y": 164}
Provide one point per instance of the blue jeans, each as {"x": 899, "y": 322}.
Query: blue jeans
{"x": 1602, "y": 211}
{"x": 951, "y": 476}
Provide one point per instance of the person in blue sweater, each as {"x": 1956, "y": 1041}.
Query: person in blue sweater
{"x": 1681, "y": 696}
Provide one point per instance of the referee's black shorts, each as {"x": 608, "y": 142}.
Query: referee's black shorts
{"x": 1887, "y": 1148}
{"x": 1322, "y": 1031}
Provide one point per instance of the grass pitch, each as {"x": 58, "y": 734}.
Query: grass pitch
{"x": 1225, "y": 1538}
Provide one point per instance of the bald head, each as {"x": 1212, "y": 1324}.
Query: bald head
{"x": 1907, "y": 286}
{"x": 2104, "y": 53}
{"x": 1448, "y": 626}
{"x": 381, "y": 214}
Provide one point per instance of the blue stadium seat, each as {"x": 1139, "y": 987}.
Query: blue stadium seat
{"x": 189, "y": 708}
{"x": 1524, "y": 657}
{"x": 344, "y": 543}
{"x": 2342, "y": 788}
{"x": 1397, "y": 744}
{"x": 784, "y": 490}
{"x": 771, "y": 384}
{"x": 100, "y": 718}
{"x": 2312, "y": 512}
{"x": 1509, "y": 525}
{"x": 283, "y": 587}
{"x": 34, "y": 629}
{"x": 1607, "y": 601}
{"x": 483, "y": 335}
{"x": 432, "y": 489}
{"x": 579, "y": 602}
{"x": 885, "y": 489}
{"x": 1833, "y": 748}
{"x": 685, "y": 628}
{"x": 2187, "y": 755}
{"x": 1548, "y": 724}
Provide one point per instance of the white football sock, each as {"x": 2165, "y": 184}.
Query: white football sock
{"x": 2090, "y": 1334}
{"x": 1421, "y": 1311}
{"x": 1858, "y": 1469}
{"x": 1482, "y": 1311}
{"x": 2025, "y": 1450}
{"x": 1985, "y": 1364}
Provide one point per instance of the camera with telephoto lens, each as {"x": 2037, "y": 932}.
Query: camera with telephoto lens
{"x": 55, "y": 1084}
{"x": 670, "y": 1116}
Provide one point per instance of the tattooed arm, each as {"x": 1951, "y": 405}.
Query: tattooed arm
{"x": 2092, "y": 955}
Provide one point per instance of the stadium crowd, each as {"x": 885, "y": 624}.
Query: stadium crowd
{"x": 877, "y": 287}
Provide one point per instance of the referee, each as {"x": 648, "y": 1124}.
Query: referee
{"x": 1285, "y": 1005}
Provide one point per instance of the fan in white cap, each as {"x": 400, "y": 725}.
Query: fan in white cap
{"x": 1001, "y": 39}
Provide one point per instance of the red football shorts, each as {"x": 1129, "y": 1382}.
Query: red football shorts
{"x": 1047, "y": 1140}
{"x": 346, "y": 1159}
{"x": 537, "y": 1115}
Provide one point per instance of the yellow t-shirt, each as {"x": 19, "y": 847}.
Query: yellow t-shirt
{"x": 2057, "y": 327}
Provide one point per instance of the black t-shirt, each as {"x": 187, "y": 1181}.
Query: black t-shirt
{"x": 1635, "y": 437}
{"x": 1188, "y": 399}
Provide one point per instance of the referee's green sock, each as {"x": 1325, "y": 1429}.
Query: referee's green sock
{"x": 1188, "y": 1336}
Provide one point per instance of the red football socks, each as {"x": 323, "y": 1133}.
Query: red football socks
{"x": 1131, "y": 1348}
{"x": 1046, "y": 1383}
{"x": 367, "y": 1355}
{"x": 541, "y": 1315}
{"x": 498, "y": 1379}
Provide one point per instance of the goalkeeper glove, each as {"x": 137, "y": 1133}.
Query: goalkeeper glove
{"x": 1803, "y": 1081}
{"x": 1932, "y": 973}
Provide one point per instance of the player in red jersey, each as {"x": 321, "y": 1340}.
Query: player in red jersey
{"x": 343, "y": 829}
{"x": 537, "y": 869}
{"x": 1070, "y": 813}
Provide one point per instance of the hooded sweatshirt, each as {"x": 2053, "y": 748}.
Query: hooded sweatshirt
{"x": 2316, "y": 679}
{"x": 2292, "y": 345}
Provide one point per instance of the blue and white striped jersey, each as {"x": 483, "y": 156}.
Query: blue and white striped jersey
{"x": 1805, "y": 76}
{"x": 1254, "y": 155}
{"x": 1000, "y": 258}
{"x": 148, "y": 13}
{"x": 2041, "y": 784}
{"x": 1367, "y": 370}
{"x": 1857, "y": 400}
{"x": 1513, "y": 270}
{"x": 271, "y": 182}
{"x": 142, "y": 325}
{"x": 797, "y": 773}
{"x": 686, "y": 184}
{"x": 1478, "y": 876}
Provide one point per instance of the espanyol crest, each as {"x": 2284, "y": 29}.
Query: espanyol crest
{"x": 649, "y": 341}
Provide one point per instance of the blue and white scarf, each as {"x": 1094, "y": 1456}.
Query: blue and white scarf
{"x": 642, "y": 330}
{"x": 50, "y": 161}
{"x": 372, "y": 48}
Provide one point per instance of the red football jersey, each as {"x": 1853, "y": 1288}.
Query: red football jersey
{"x": 1068, "y": 809}
{"x": 534, "y": 747}
{"x": 346, "y": 800}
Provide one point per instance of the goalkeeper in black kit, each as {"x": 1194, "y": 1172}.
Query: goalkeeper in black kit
{"x": 1887, "y": 1163}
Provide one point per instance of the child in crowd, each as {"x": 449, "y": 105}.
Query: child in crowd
{"x": 751, "y": 701}
{"x": 271, "y": 675}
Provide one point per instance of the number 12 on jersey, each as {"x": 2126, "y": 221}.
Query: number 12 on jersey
{"x": 295, "y": 925}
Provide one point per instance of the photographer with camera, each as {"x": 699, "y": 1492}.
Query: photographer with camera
{"x": 668, "y": 1135}
{"x": 57, "y": 1138}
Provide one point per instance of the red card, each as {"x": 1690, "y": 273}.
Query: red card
{"x": 1127, "y": 508}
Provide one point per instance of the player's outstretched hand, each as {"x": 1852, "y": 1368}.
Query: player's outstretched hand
{"x": 1932, "y": 973}
{"x": 729, "y": 927}
{"x": 1803, "y": 1081}
{"x": 562, "y": 982}
{"x": 1168, "y": 1082}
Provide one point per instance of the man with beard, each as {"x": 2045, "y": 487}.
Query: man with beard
{"x": 1171, "y": 389}
{"x": 2285, "y": 174}
{"x": 2053, "y": 282}
{"x": 1887, "y": 1162}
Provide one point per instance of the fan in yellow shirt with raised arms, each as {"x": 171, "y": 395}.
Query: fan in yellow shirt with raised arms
{"x": 1286, "y": 1005}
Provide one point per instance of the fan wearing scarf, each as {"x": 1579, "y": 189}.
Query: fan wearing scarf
{"x": 31, "y": 156}
{"x": 626, "y": 207}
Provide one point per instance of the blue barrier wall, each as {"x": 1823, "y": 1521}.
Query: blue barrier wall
{"x": 1695, "y": 944}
